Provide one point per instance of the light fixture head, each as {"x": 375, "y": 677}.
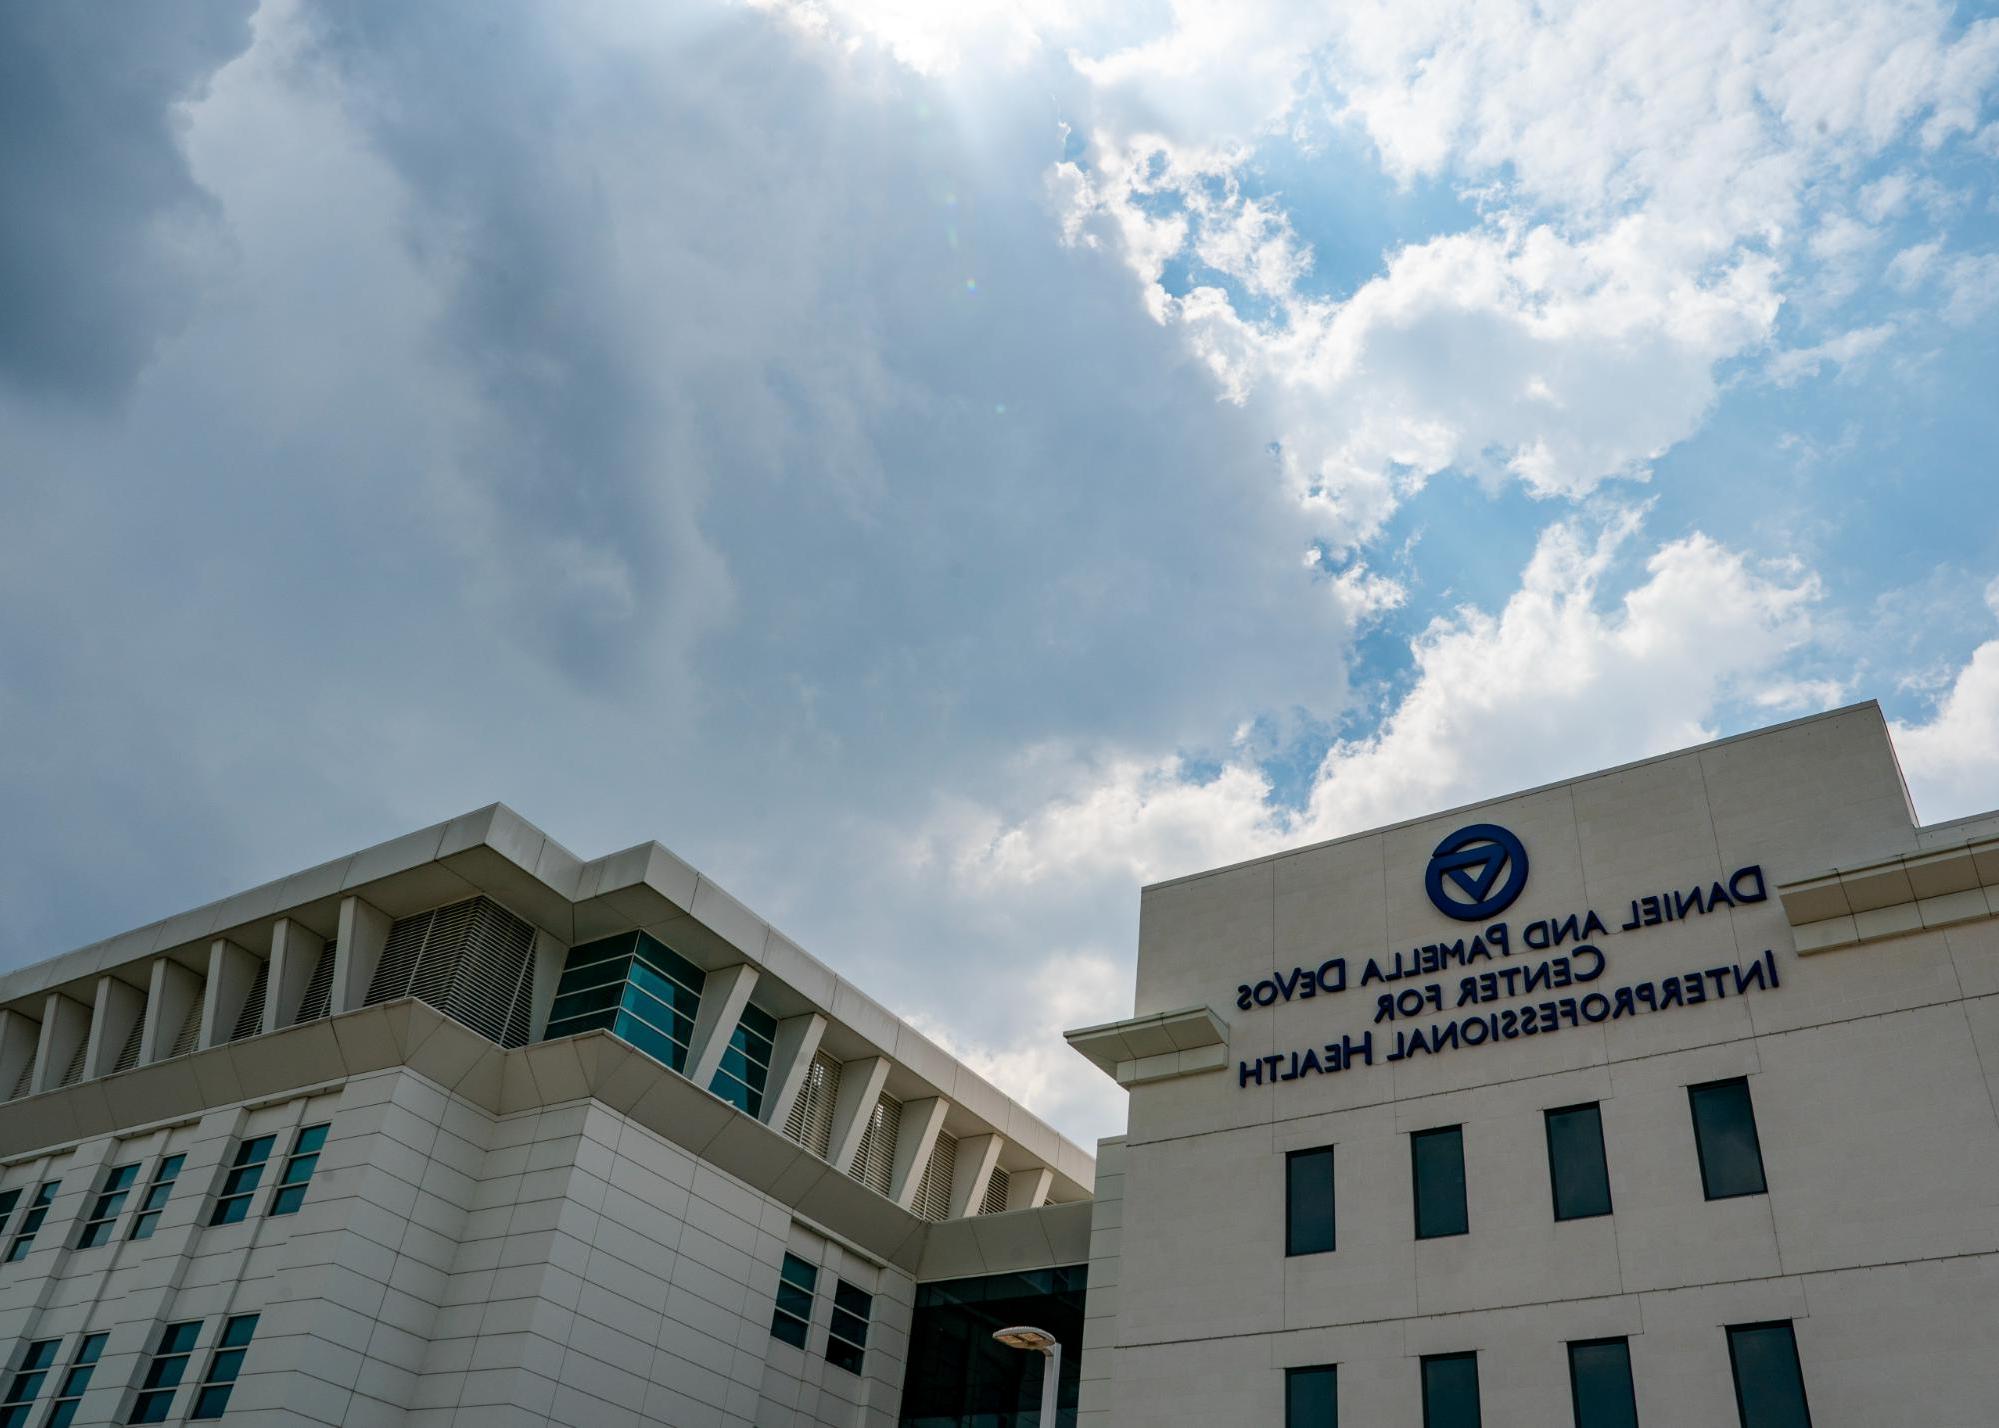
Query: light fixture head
{"x": 1024, "y": 1337}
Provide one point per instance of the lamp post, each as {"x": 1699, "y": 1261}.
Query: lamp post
{"x": 1044, "y": 1343}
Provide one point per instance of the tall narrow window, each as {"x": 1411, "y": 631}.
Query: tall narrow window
{"x": 299, "y": 1166}
{"x": 745, "y": 1069}
{"x": 1308, "y": 1201}
{"x": 1312, "y": 1397}
{"x": 8, "y": 1200}
{"x": 31, "y": 1223}
{"x": 1725, "y": 1133}
{"x": 847, "y": 1339}
{"x": 1600, "y": 1384}
{"x": 62, "y": 1412}
{"x": 793, "y": 1314}
{"x": 1769, "y": 1384}
{"x": 163, "y": 1375}
{"x": 27, "y": 1382}
{"x": 1437, "y": 1161}
{"x": 241, "y": 1181}
{"x": 223, "y": 1366}
{"x": 1450, "y": 1391}
{"x": 1576, "y": 1166}
{"x": 158, "y": 1192}
{"x": 110, "y": 1203}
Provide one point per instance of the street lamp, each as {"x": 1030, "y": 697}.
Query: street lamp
{"x": 1043, "y": 1343}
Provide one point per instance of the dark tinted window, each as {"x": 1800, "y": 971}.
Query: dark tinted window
{"x": 793, "y": 1313}
{"x": 1600, "y": 1384}
{"x": 1438, "y": 1164}
{"x": 1312, "y": 1397}
{"x": 1769, "y": 1386}
{"x": 1308, "y": 1201}
{"x": 1725, "y": 1131}
{"x": 1450, "y": 1391}
{"x": 958, "y": 1375}
{"x": 1575, "y": 1163}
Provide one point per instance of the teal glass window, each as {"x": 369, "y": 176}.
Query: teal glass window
{"x": 299, "y": 1166}
{"x": 1450, "y": 1391}
{"x": 1312, "y": 1397}
{"x": 158, "y": 1191}
{"x": 163, "y": 1375}
{"x": 1769, "y": 1382}
{"x": 1437, "y": 1164}
{"x": 8, "y": 1200}
{"x": 745, "y": 1068}
{"x": 1600, "y": 1384}
{"x": 31, "y": 1223}
{"x": 110, "y": 1203}
{"x": 69, "y": 1396}
{"x": 793, "y": 1314}
{"x": 1576, "y": 1166}
{"x": 241, "y": 1181}
{"x": 847, "y": 1339}
{"x": 635, "y": 987}
{"x": 1308, "y": 1202}
{"x": 27, "y": 1382}
{"x": 223, "y": 1367}
{"x": 1725, "y": 1135}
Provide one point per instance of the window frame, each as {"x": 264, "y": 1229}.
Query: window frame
{"x": 146, "y": 1219}
{"x": 809, "y": 1288}
{"x": 1416, "y": 1182}
{"x": 1575, "y": 1390}
{"x": 1790, "y": 1328}
{"x": 1291, "y": 1236}
{"x": 864, "y": 1316}
{"x": 227, "y": 1344}
{"x": 69, "y": 1392}
{"x": 32, "y": 1220}
{"x": 289, "y": 1179}
{"x": 242, "y": 1165}
{"x": 108, "y": 1206}
{"x": 157, "y": 1386}
{"x": 1700, "y": 1143}
{"x": 24, "y": 1384}
{"x": 1602, "y": 1155}
{"x": 1478, "y": 1388}
{"x": 1293, "y": 1375}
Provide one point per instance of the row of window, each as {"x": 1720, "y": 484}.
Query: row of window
{"x": 1763, "y": 1359}
{"x": 1731, "y": 1161}
{"x": 791, "y": 1319}
{"x": 165, "y": 1371}
{"x": 239, "y": 1187}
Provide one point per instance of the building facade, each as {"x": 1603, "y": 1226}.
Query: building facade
{"x": 1662, "y": 1096}
{"x": 463, "y": 1129}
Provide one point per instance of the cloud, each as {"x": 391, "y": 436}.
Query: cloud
{"x": 1951, "y": 761}
{"x": 1790, "y": 367}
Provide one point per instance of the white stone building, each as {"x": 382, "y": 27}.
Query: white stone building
{"x": 464, "y": 1129}
{"x": 1661, "y": 1096}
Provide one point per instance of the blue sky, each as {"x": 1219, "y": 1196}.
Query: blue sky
{"x": 941, "y": 467}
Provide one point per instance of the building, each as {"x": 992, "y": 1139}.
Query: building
{"x": 464, "y": 1129}
{"x": 1661, "y": 1096}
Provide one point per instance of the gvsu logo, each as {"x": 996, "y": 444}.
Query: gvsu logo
{"x": 1476, "y": 873}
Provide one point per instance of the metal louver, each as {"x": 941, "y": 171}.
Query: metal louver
{"x": 128, "y": 1053}
{"x": 250, "y": 1020}
{"x": 318, "y": 988}
{"x": 933, "y": 1191}
{"x": 873, "y": 1161}
{"x": 74, "y": 1070}
{"x": 21, "y": 1081}
{"x": 811, "y": 1119}
{"x": 473, "y": 961}
{"x": 190, "y": 1027}
{"x": 996, "y": 1190}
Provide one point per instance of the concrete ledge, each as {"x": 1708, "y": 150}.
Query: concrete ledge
{"x": 1155, "y": 1047}
{"x": 1912, "y": 892}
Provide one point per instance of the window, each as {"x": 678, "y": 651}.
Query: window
{"x": 745, "y": 1068}
{"x": 1438, "y": 1163}
{"x": 298, "y": 1169}
{"x": 1308, "y": 1201}
{"x": 241, "y": 1182}
{"x": 27, "y": 1382}
{"x": 223, "y": 1366}
{"x": 38, "y": 1211}
{"x": 848, "y": 1336}
{"x": 1600, "y": 1384}
{"x": 1725, "y": 1132}
{"x": 634, "y": 986}
{"x": 74, "y": 1382}
{"x": 1576, "y": 1165}
{"x": 164, "y": 1373}
{"x": 1312, "y": 1397}
{"x": 157, "y": 1194}
{"x": 109, "y": 1205}
{"x": 1450, "y": 1391}
{"x": 1769, "y": 1385}
{"x": 8, "y": 1200}
{"x": 793, "y": 1314}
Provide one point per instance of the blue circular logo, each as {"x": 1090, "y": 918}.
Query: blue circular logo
{"x": 1485, "y": 863}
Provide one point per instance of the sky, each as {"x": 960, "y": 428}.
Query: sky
{"x": 940, "y": 468}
